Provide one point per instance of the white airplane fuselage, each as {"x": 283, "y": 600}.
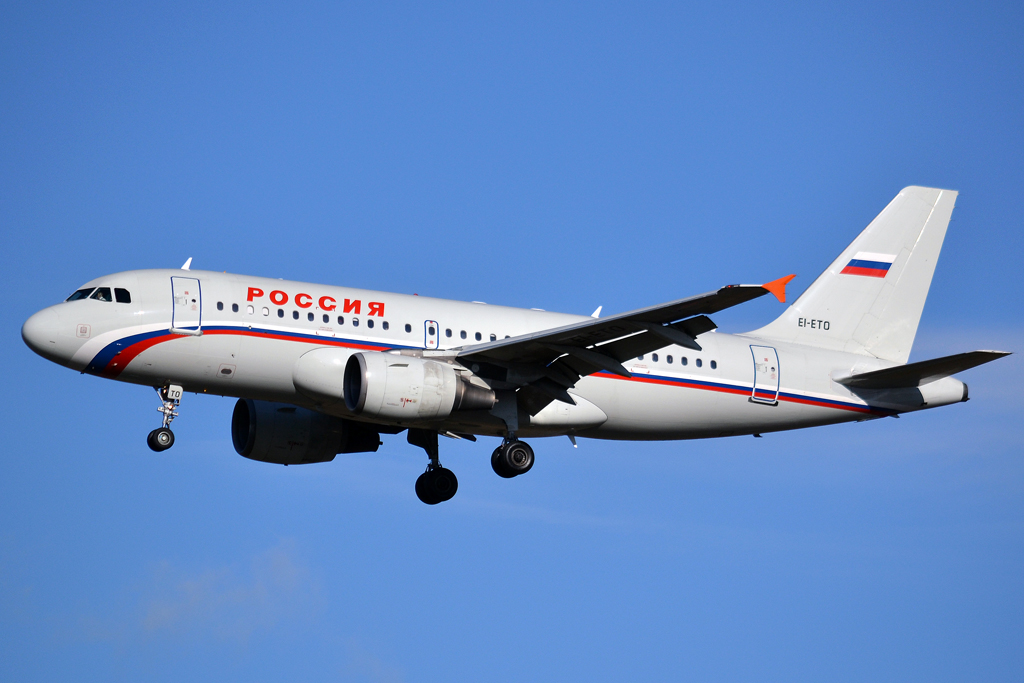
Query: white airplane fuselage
{"x": 242, "y": 336}
{"x": 320, "y": 370}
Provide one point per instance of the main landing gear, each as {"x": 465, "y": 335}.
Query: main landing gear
{"x": 437, "y": 484}
{"x": 170, "y": 398}
{"x": 512, "y": 458}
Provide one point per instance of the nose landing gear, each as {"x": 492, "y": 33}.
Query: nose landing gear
{"x": 170, "y": 398}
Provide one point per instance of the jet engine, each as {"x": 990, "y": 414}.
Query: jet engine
{"x": 409, "y": 389}
{"x": 288, "y": 435}
{"x": 320, "y": 374}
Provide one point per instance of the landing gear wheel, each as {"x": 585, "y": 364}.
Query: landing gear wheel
{"x": 160, "y": 439}
{"x": 512, "y": 459}
{"x": 498, "y": 465}
{"x": 436, "y": 486}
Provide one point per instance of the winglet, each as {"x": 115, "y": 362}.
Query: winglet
{"x": 187, "y": 264}
{"x": 778, "y": 287}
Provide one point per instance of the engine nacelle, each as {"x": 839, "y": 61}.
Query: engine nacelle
{"x": 409, "y": 389}
{"x": 288, "y": 435}
{"x": 320, "y": 374}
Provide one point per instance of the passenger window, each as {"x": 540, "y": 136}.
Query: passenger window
{"x": 295, "y": 315}
{"x": 448, "y": 332}
{"x": 102, "y": 294}
{"x": 327, "y": 318}
{"x": 714, "y": 365}
{"x": 385, "y": 325}
{"x": 234, "y": 308}
{"x": 654, "y": 357}
{"x": 462, "y": 334}
{"x": 668, "y": 359}
{"x": 640, "y": 357}
{"x": 341, "y": 320}
{"x": 683, "y": 360}
{"x": 408, "y": 328}
{"x": 699, "y": 363}
{"x": 220, "y": 305}
{"x": 123, "y": 297}
{"x": 280, "y": 313}
{"x": 477, "y": 336}
{"x": 266, "y": 311}
{"x": 355, "y": 322}
{"x": 309, "y": 317}
{"x": 80, "y": 294}
{"x": 369, "y": 322}
{"x": 250, "y": 310}
{"x": 494, "y": 337}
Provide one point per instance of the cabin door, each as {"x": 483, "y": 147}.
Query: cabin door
{"x": 766, "y": 375}
{"x": 186, "y": 314}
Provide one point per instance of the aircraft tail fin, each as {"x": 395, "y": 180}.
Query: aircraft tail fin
{"x": 869, "y": 301}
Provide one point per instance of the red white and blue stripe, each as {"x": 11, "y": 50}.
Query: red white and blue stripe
{"x": 113, "y": 358}
{"x": 869, "y": 264}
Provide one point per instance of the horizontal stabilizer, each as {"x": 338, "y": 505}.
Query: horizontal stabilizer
{"x": 917, "y": 374}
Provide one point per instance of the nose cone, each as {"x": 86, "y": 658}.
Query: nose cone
{"x": 40, "y": 333}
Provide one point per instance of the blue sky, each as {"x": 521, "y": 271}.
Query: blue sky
{"x": 542, "y": 155}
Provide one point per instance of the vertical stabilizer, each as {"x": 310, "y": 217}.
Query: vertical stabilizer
{"x": 870, "y": 299}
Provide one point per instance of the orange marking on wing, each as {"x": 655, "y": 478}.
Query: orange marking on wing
{"x": 778, "y": 287}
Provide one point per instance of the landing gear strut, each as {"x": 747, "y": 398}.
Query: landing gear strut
{"x": 170, "y": 398}
{"x": 437, "y": 484}
{"x": 512, "y": 458}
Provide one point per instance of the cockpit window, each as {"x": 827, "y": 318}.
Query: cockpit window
{"x": 122, "y": 296}
{"x": 80, "y": 294}
{"x": 102, "y": 294}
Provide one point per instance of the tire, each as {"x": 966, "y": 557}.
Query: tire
{"x": 161, "y": 439}
{"x": 498, "y": 464}
{"x": 445, "y": 484}
{"x": 424, "y": 489}
{"x": 517, "y": 458}
{"x": 436, "y": 486}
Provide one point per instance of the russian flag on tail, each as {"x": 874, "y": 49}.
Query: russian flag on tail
{"x": 869, "y": 264}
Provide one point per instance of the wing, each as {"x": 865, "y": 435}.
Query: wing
{"x": 544, "y": 364}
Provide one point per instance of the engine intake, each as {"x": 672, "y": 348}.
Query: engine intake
{"x": 288, "y": 435}
{"x": 320, "y": 374}
{"x": 408, "y": 389}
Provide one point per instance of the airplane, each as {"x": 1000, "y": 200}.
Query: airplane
{"x": 321, "y": 370}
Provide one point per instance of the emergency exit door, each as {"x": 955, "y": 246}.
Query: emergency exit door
{"x": 187, "y": 310}
{"x": 430, "y": 332}
{"x": 766, "y": 375}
